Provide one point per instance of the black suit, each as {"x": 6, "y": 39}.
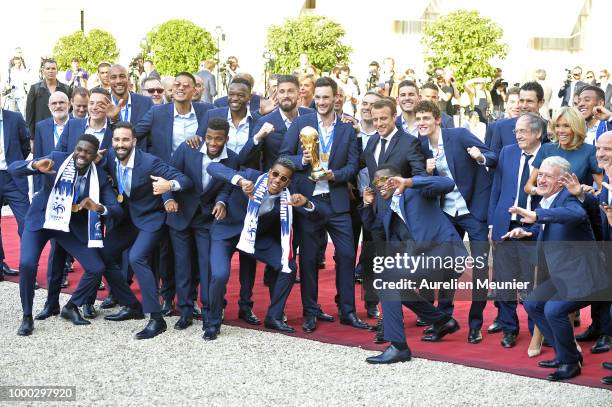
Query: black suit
{"x": 37, "y": 104}
{"x": 564, "y": 92}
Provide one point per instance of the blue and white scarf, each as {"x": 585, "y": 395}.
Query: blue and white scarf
{"x": 59, "y": 205}
{"x": 249, "y": 230}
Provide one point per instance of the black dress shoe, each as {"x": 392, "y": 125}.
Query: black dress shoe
{"x": 373, "y": 312}
{"x": 441, "y": 330}
{"x": 310, "y": 324}
{"x": 47, "y": 311}
{"x": 474, "y": 336}
{"x": 549, "y": 364}
{"x": 391, "y": 355}
{"x": 64, "y": 283}
{"x": 322, "y": 316}
{"x": 564, "y": 372}
{"x": 603, "y": 344}
{"x": 167, "y": 308}
{"x": 72, "y": 314}
{"x": 7, "y": 271}
{"x": 26, "y": 327}
{"x": 607, "y": 365}
{"x": 494, "y": 328}
{"x": 607, "y": 380}
{"x": 248, "y": 317}
{"x": 591, "y": 334}
{"x": 183, "y": 323}
{"x": 509, "y": 340}
{"x": 68, "y": 267}
{"x": 101, "y": 286}
{"x": 351, "y": 319}
{"x": 421, "y": 322}
{"x": 210, "y": 334}
{"x": 429, "y": 330}
{"x": 154, "y": 327}
{"x": 278, "y": 325}
{"x": 197, "y": 312}
{"x": 109, "y": 302}
{"x": 125, "y": 314}
{"x": 89, "y": 311}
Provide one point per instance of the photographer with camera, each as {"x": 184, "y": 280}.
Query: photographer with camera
{"x": 498, "y": 94}
{"x": 373, "y": 76}
{"x": 571, "y": 86}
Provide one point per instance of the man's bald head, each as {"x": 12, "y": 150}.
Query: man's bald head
{"x": 59, "y": 105}
{"x": 604, "y": 152}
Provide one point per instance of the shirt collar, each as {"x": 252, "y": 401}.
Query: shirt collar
{"x": 365, "y": 132}
{"x": 55, "y": 123}
{"x": 185, "y": 116}
{"x": 130, "y": 163}
{"x": 285, "y": 118}
{"x": 547, "y": 202}
{"x": 390, "y": 136}
{"x": 535, "y": 152}
{"x": 221, "y": 156}
{"x": 102, "y": 130}
{"x": 229, "y": 115}
{"x": 320, "y": 120}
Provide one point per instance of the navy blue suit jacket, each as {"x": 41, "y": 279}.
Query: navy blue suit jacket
{"x": 140, "y": 106}
{"x": 156, "y": 127}
{"x": 270, "y": 146}
{"x": 503, "y": 192}
{"x": 606, "y": 227}
{"x": 403, "y": 152}
{"x": 343, "y": 160}
{"x": 74, "y": 129}
{"x": 472, "y": 179}
{"x": 35, "y": 217}
{"x": 44, "y": 143}
{"x": 189, "y": 161}
{"x": 16, "y": 142}
{"x": 502, "y": 134}
{"x": 253, "y": 103}
{"x": 268, "y": 227}
{"x": 576, "y": 270}
{"x": 145, "y": 209}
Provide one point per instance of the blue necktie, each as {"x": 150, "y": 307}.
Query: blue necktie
{"x": 522, "y": 200}
{"x": 383, "y": 143}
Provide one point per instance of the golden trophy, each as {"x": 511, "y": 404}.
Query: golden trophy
{"x": 309, "y": 137}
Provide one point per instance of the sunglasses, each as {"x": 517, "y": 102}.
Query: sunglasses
{"x": 276, "y": 174}
{"x": 151, "y": 91}
{"x": 379, "y": 182}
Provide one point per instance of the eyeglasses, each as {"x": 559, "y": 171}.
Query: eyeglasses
{"x": 276, "y": 174}
{"x": 151, "y": 91}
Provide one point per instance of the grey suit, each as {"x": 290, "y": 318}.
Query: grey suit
{"x": 210, "y": 85}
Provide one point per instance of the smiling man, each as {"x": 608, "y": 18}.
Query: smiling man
{"x": 407, "y": 98}
{"x": 591, "y": 101}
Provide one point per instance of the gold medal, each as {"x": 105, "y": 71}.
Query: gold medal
{"x": 325, "y": 157}
{"x": 120, "y": 198}
{"x": 75, "y": 208}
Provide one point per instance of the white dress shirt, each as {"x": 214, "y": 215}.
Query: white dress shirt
{"x": 518, "y": 182}
{"x": 413, "y": 131}
{"x": 238, "y": 136}
{"x": 206, "y": 160}
{"x": 322, "y": 187}
{"x": 183, "y": 127}
{"x": 127, "y": 178}
{"x": 379, "y": 144}
{"x": 395, "y": 205}
{"x": 99, "y": 134}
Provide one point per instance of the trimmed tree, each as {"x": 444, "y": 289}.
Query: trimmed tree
{"x": 465, "y": 41}
{"x": 178, "y": 45}
{"x": 318, "y": 37}
{"x": 92, "y": 48}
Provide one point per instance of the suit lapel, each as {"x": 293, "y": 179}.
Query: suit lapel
{"x": 448, "y": 153}
{"x": 6, "y": 133}
{"x": 390, "y": 147}
{"x": 338, "y": 139}
{"x": 169, "y": 122}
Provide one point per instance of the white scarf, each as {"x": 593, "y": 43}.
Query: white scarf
{"x": 59, "y": 205}
{"x": 249, "y": 229}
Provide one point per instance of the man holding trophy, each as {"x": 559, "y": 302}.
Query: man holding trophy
{"x": 325, "y": 153}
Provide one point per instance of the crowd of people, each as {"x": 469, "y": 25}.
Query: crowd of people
{"x": 167, "y": 184}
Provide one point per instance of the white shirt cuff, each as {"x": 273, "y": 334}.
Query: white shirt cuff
{"x": 236, "y": 179}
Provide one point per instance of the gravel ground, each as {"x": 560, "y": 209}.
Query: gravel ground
{"x": 244, "y": 367}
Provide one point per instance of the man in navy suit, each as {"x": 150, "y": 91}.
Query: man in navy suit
{"x": 129, "y": 106}
{"x": 270, "y": 129}
{"x": 531, "y": 99}
{"x": 165, "y": 127}
{"x": 191, "y": 214}
{"x": 458, "y": 154}
{"x": 133, "y": 171}
{"x": 49, "y": 130}
{"x": 81, "y": 232}
{"x": 339, "y": 159}
{"x": 411, "y": 216}
{"x": 510, "y": 261}
{"x": 14, "y": 145}
{"x": 241, "y": 119}
{"x": 569, "y": 262}
{"x": 267, "y": 244}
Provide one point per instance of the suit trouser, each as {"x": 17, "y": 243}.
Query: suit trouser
{"x": 198, "y": 233}
{"x": 551, "y": 316}
{"x": 393, "y": 320}
{"x": 247, "y": 274}
{"x": 17, "y": 200}
{"x": 338, "y": 225}
{"x": 600, "y": 316}
{"x": 510, "y": 262}
{"x": 221, "y": 252}
{"x": 140, "y": 244}
{"x": 31, "y": 248}
{"x": 55, "y": 270}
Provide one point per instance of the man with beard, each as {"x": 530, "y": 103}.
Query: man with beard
{"x": 75, "y": 199}
{"x": 130, "y": 106}
{"x": 132, "y": 171}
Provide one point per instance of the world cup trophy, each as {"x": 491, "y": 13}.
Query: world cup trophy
{"x": 309, "y": 137}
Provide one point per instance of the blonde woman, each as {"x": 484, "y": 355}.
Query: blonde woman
{"x": 568, "y": 133}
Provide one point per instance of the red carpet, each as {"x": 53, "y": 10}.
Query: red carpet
{"x": 454, "y": 348}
